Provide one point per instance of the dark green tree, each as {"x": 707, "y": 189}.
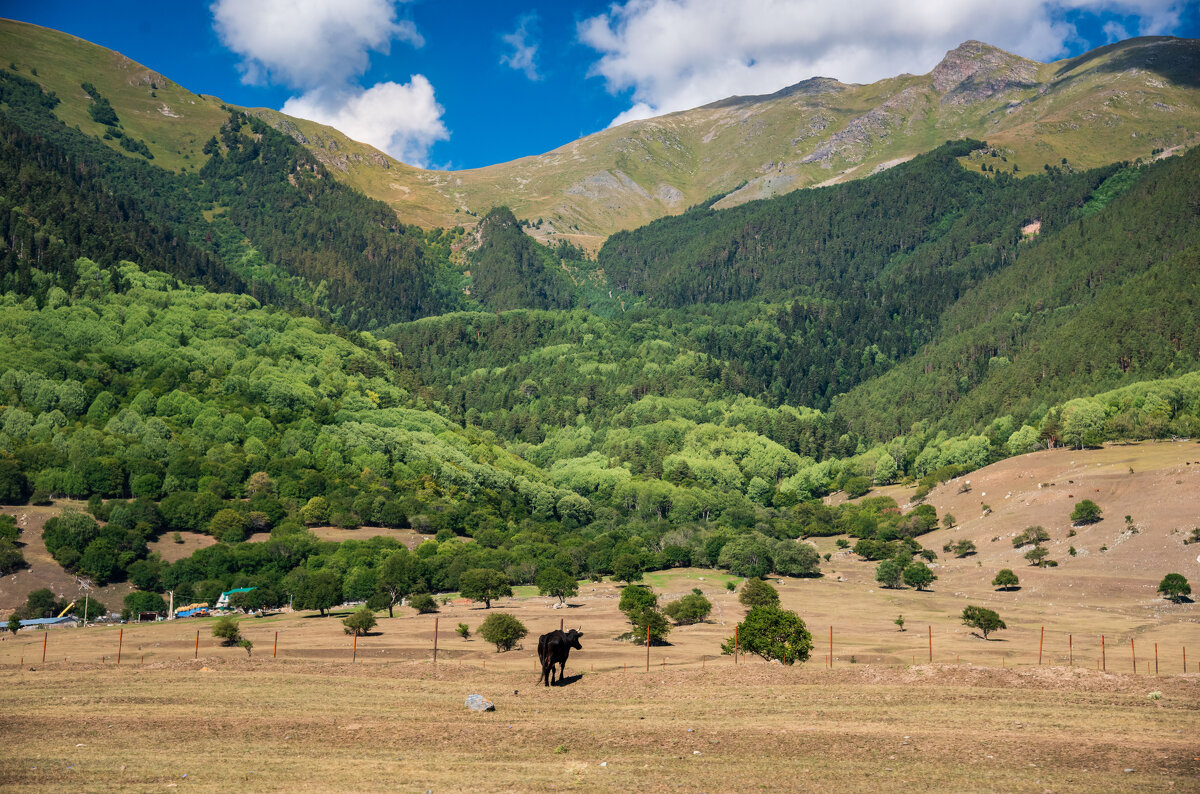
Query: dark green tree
{"x": 983, "y": 619}
{"x": 484, "y": 584}
{"x": 774, "y": 634}
{"x": 757, "y": 593}
{"x": 1086, "y": 512}
{"x": 557, "y": 583}
{"x": 1005, "y": 579}
{"x": 1174, "y": 587}
{"x": 918, "y": 575}
{"x": 627, "y": 568}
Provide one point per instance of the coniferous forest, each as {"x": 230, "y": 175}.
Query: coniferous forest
{"x": 251, "y": 348}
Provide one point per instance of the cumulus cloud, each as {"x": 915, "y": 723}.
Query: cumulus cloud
{"x": 402, "y": 119}
{"x": 523, "y": 42}
{"x": 321, "y": 48}
{"x": 677, "y": 54}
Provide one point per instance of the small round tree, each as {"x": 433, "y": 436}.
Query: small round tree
{"x": 986, "y": 620}
{"x": 463, "y": 630}
{"x": 774, "y": 634}
{"x": 14, "y": 623}
{"x": 502, "y": 630}
{"x": 1086, "y": 512}
{"x": 361, "y": 620}
{"x": 637, "y": 597}
{"x": 1005, "y": 579}
{"x": 558, "y": 584}
{"x": 1175, "y": 587}
{"x": 757, "y": 593}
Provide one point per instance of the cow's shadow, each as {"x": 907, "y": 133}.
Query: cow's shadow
{"x": 568, "y": 680}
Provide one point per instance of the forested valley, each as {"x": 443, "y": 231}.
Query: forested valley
{"x": 249, "y": 346}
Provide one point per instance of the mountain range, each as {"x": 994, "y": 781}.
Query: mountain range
{"x": 1136, "y": 98}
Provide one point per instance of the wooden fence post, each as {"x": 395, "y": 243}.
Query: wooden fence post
{"x": 275, "y": 650}
{"x": 196, "y": 652}
{"x": 435, "y": 633}
{"x": 120, "y": 640}
{"x": 1041, "y": 642}
{"x": 1071, "y": 648}
{"x": 354, "y": 653}
{"x": 1103, "y": 658}
{"x": 45, "y": 639}
{"x": 1133, "y": 655}
{"x": 647, "y": 648}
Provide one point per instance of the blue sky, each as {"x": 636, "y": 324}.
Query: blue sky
{"x": 464, "y": 84}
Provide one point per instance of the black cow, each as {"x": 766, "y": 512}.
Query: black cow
{"x": 553, "y": 649}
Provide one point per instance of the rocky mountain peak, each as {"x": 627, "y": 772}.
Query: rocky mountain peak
{"x": 974, "y": 70}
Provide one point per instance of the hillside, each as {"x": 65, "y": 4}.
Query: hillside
{"x": 1119, "y": 102}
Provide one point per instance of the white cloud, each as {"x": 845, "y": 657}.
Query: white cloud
{"x": 403, "y": 120}
{"x": 677, "y": 54}
{"x": 523, "y": 57}
{"x": 321, "y": 48}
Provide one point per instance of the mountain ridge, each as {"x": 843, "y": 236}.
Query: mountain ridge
{"x": 1119, "y": 102}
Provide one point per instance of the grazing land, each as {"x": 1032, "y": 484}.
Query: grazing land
{"x": 983, "y": 714}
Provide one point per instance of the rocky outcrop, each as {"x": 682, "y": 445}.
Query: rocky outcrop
{"x": 974, "y": 71}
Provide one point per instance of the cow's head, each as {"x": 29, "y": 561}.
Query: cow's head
{"x": 573, "y": 639}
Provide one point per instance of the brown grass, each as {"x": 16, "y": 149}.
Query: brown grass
{"x": 312, "y": 720}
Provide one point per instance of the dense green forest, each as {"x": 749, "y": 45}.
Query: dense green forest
{"x": 260, "y": 216}
{"x": 249, "y": 348}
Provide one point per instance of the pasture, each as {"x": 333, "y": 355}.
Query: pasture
{"x": 984, "y": 715}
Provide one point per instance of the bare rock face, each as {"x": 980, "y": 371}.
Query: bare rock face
{"x": 974, "y": 71}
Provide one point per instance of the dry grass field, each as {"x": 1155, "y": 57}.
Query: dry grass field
{"x": 324, "y": 713}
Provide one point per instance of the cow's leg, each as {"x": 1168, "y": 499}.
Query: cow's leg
{"x": 562, "y": 671}
{"x": 547, "y": 673}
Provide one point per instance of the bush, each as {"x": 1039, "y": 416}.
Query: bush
{"x": 1005, "y": 579}
{"x": 423, "y": 603}
{"x": 227, "y": 630}
{"x": 361, "y": 620}
{"x": 502, "y": 630}
{"x": 648, "y": 621}
{"x": 964, "y": 548}
{"x": 463, "y": 630}
{"x": 1086, "y": 512}
{"x": 1175, "y": 587}
{"x": 986, "y": 620}
{"x": 692, "y": 608}
{"x": 757, "y": 593}
{"x": 774, "y": 634}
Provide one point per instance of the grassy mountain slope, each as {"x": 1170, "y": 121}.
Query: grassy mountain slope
{"x": 1123, "y": 101}
{"x": 1110, "y": 299}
